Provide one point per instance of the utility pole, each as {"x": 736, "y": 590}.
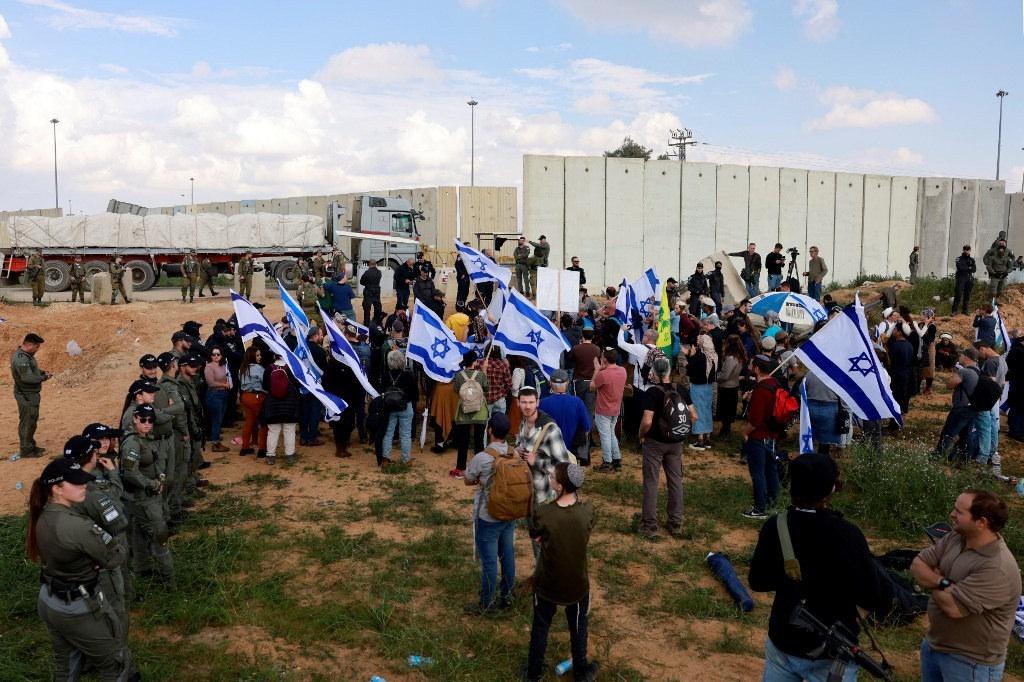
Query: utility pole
{"x": 681, "y": 138}
{"x": 56, "y": 194}
{"x": 192, "y": 182}
{"x": 999, "y": 145}
{"x": 472, "y": 140}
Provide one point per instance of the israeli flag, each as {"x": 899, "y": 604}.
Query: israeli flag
{"x": 344, "y": 353}
{"x": 646, "y": 291}
{"x": 493, "y": 313}
{"x": 524, "y": 331}
{"x": 252, "y": 324}
{"x": 433, "y": 345}
{"x": 841, "y": 355}
{"x": 625, "y": 302}
{"x": 806, "y": 433}
{"x": 480, "y": 267}
{"x": 299, "y": 323}
{"x": 1002, "y": 335}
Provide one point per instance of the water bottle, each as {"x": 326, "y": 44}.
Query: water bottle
{"x": 15, "y": 457}
{"x": 417, "y": 661}
{"x": 1020, "y": 488}
{"x": 19, "y": 485}
{"x": 563, "y": 667}
{"x": 377, "y": 678}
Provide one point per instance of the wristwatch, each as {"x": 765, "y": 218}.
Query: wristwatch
{"x": 944, "y": 583}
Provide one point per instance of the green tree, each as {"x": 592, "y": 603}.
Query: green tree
{"x": 630, "y": 149}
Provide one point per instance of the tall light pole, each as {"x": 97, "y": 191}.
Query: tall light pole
{"x": 56, "y": 194}
{"x": 999, "y": 145}
{"x": 472, "y": 140}
{"x": 192, "y": 183}
{"x": 1022, "y": 176}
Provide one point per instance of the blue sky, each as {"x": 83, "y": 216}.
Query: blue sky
{"x": 256, "y": 102}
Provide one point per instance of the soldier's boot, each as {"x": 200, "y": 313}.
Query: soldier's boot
{"x": 164, "y": 562}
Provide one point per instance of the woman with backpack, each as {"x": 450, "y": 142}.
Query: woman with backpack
{"x": 701, "y": 367}
{"x": 398, "y": 400}
{"x": 734, "y": 359}
{"x": 280, "y": 410}
{"x": 471, "y": 416}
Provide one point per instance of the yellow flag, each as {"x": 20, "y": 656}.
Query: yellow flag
{"x": 664, "y": 324}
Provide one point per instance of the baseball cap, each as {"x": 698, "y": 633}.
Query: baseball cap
{"x": 166, "y": 359}
{"x": 145, "y": 411}
{"x": 148, "y": 361}
{"x": 60, "y": 470}
{"x": 812, "y": 477}
{"x": 96, "y": 431}
{"x": 139, "y": 386}
{"x": 180, "y": 336}
{"x": 398, "y": 326}
{"x": 499, "y": 424}
{"x": 560, "y": 376}
{"x": 79, "y": 447}
{"x": 195, "y": 360}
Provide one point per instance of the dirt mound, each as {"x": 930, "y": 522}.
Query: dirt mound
{"x": 869, "y": 291}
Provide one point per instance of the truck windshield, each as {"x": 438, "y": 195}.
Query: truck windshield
{"x": 401, "y": 222}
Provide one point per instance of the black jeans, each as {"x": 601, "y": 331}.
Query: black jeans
{"x": 962, "y": 295}
{"x": 343, "y": 427}
{"x": 576, "y": 617}
{"x": 462, "y": 441}
{"x": 373, "y": 303}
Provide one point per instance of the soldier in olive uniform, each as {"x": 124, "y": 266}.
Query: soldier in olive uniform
{"x": 77, "y": 276}
{"x": 117, "y": 281}
{"x": 915, "y": 263}
{"x": 207, "y": 275}
{"x": 999, "y": 262}
{"x": 188, "y": 371}
{"x": 143, "y": 470}
{"x": 104, "y": 504}
{"x": 541, "y": 250}
{"x": 308, "y": 297}
{"x": 522, "y": 260}
{"x": 169, "y": 400}
{"x": 84, "y": 628}
{"x": 36, "y": 274}
{"x": 338, "y": 261}
{"x": 304, "y": 270}
{"x": 319, "y": 266}
{"x": 245, "y": 269}
{"x": 28, "y": 384}
{"x": 189, "y": 276}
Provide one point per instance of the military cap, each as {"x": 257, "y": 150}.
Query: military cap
{"x": 166, "y": 359}
{"x": 180, "y": 336}
{"x": 145, "y": 411}
{"x": 195, "y": 360}
{"x": 141, "y": 386}
{"x": 96, "y": 431}
{"x": 148, "y": 361}
{"x": 79, "y": 447}
{"x": 60, "y": 470}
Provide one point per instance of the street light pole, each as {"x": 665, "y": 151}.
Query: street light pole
{"x": 999, "y": 145}
{"x": 56, "y": 194}
{"x": 192, "y": 183}
{"x": 472, "y": 141}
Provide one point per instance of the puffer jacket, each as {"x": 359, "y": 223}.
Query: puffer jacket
{"x": 280, "y": 410}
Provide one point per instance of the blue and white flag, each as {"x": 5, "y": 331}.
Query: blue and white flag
{"x": 806, "y": 432}
{"x": 433, "y": 345}
{"x": 480, "y": 267}
{"x": 1002, "y": 335}
{"x": 492, "y": 315}
{"x": 841, "y": 355}
{"x": 251, "y": 324}
{"x": 646, "y": 292}
{"x": 344, "y": 353}
{"x": 299, "y": 323}
{"x": 523, "y": 330}
{"x": 624, "y": 302}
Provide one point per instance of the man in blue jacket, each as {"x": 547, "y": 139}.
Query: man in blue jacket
{"x": 570, "y": 414}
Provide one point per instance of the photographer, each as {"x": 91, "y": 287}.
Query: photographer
{"x": 773, "y": 263}
{"x": 830, "y": 570}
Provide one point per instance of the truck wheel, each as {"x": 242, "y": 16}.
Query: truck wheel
{"x": 393, "y": 264}
{"x": 143, "y": 275}
{"x": 288, "y": 272}
{"x": 91, "y": 268}
{"x": 57, "y": 275}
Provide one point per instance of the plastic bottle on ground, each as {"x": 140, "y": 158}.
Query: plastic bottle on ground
{"x": 563, "y": 667}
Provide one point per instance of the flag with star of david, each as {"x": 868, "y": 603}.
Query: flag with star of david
{"x": 806, "y": 432}
{"x": 480, "y": 267}
{"x": 433, "y": 345}
{"x": 841, "y": 355}
{"x": 523, "y": 330}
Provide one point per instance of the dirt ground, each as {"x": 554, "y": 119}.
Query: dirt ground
{"x": 90, "y": 387}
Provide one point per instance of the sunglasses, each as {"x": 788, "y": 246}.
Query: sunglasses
{"x": 215, "y": 355}
{"x": 145, "y": 420}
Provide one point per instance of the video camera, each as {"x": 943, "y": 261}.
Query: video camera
{"x": 840, "y": 646}
{"x": 793, "y": 252}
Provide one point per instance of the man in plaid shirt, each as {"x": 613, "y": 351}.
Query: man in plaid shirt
{"x": 499, "y": 382}
{"x": 551, "y": 449}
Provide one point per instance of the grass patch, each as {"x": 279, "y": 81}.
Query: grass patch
{"x": 333, "y": 544}
{"x": 264, "y": 480}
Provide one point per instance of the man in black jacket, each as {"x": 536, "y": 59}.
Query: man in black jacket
{"x": 462, "y": 281}
{"x": 751, "y": 273}
{"x": 697, "y": 285}
{"x": 773, "y": 263}
{"x": 836, "y": 573}
{"x": 405, "y": 275}
{"x": 370, "y": 281}
{"x": 486, "y": 289}
{"x": 716, "y": 283}
{"x": 1015, "y": 376}
{"x": 965, "y": 269}
{"x": 575, "y": 267}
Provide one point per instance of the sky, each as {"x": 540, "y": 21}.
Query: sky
{"x": 330, "y": 97}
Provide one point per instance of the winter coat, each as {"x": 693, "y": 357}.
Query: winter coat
{"x": 280, "y": 410}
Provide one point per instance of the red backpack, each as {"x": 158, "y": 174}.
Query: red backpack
{"x": 278, "y": 382}
{"x": 785, "y": 408}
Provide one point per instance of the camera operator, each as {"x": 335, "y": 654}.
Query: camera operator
{"x": 834, "y": 571}
{"x": 774, "y": 263}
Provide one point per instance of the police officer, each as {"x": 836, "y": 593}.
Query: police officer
{"x": 168, "y": 400}
{"x": 370, "y": 281}
{"x": 245, "y": 270}
{"x": 964, "y": 278}
{"x": 104, "y": 504}
{"x": 28, "y": 384}
{"x": 143, "y": 470}
{"x": 189, "y": 275}
{"x": 77, "y": 277}
{"x": 522, "y": 260}
{"x": 188, "y": 370}
{"x": 319, "y": 266}
{"x": 71, "y": 549}
{"x": 36, "y": 273}
{"x": 141, "y": 392}
{"x": 207, "y": 275}
{"x": 117, "y": 281}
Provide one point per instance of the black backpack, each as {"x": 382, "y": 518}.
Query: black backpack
{"x": 393, "y": 397}
{"x": 674, "y": 422}
{"x": 986, "y": 394}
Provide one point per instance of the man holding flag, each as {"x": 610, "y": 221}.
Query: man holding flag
{"x": 524, "y": 331}
{"x": 345, "y": 376}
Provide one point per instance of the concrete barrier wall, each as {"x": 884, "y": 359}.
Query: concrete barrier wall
{"x": 936, "y": 200}
{"x": 849, "y": 227}
{"x": 732, "y": 211}
{"x": 661, "y": 216}
{"x": 991, "y": 212}
{"x": 544, "y": 202}
{"x": 1015, "y": 222}
{"x": 793, "y": 212}
{"x": 584, "y": 216}
{"x": 902, "y": 224}
{"x": 963, "y": 217}
{"x": 624, "y": 227}
{"x": 874, "y": 252}
{"x": 696, "y": 214}
{"x": 763, "y": 212}
{"x": 821, "y": 216}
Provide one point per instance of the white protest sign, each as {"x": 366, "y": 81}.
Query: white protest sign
{"x": 558, "y": 289}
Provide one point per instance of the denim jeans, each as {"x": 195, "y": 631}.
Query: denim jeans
{"x": 814, "y": 290}
{"x": 781, "y": 667}
{"x": 609, "y": 443}
{"x": 983, "y": 427}
{"x": 764, "y": 474}
{"x": 937, "y": 666}
{"x": 494, "y": 540}
{"x": 576, "y": 617}
{"x": 217, "y": 404}
{"x": 309, "y": 421}
{"x": 497, "y": 406}
{"x": 403, "y": 420}
{"x": 752, "y": 288}
{"x": 402, "y": 296}
{"x": 957, "y": 420}
{"x": 774, "y": 282}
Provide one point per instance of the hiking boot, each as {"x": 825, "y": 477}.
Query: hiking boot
{"x": 212, "y": 292}
{"x": 677, "y": 533}
{"x": 617, "y": 466}
{"x": 591, "y": 672}
{"x": 218, "y": 447}
{"x": 649, "y": 535}
{"x": 271, "y": 459}
{"x": 604, "y": 468}
{"x": 755, "y": 514}
{"x": 342, "y": 452}
{"x": 35, "y": 452}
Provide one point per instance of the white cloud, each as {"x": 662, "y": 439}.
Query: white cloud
{"x": 69, "y": 17}
{"x": 648, "y": 128}
{"x": 533, "y": 48}
{"x": 560, "y": 47}
{"x": 382, "y": 63}
{"x": 784, "y": 79}
{"x": 5, "y": 32}
{"x": 694, "y": 23}
{"x": 854, "y": 108}
{"x": 201, "y": 69}
{"x": 901, "y": 157}
{"x": 820, "y": 18}
{"x": 113, "y": 68}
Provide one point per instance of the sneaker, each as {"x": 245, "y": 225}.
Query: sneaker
{"x": 289, "y": 459}
{"x": 604, "y": 468}
{"x": 504, "y": 603}
{"x": 755, "y": 514}
{"x": 591, "y": 672}
{"x": 245, "y": 451}
{"x": 260, "y": 454}
{"x": 271, "y": 459}
{"x": 437, "y": 449}
{"x": 696, "y": 445}
{"x": 677, "y": 533}
{"x": 707, "y": 445}
{"x": 456, "y": 473}
{"x": 617, "y": 466}
{"x": 650, "y": 535}
{"x": 477, "y": 609}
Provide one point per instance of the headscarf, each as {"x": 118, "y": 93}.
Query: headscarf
{"x": 706, "y": 347}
